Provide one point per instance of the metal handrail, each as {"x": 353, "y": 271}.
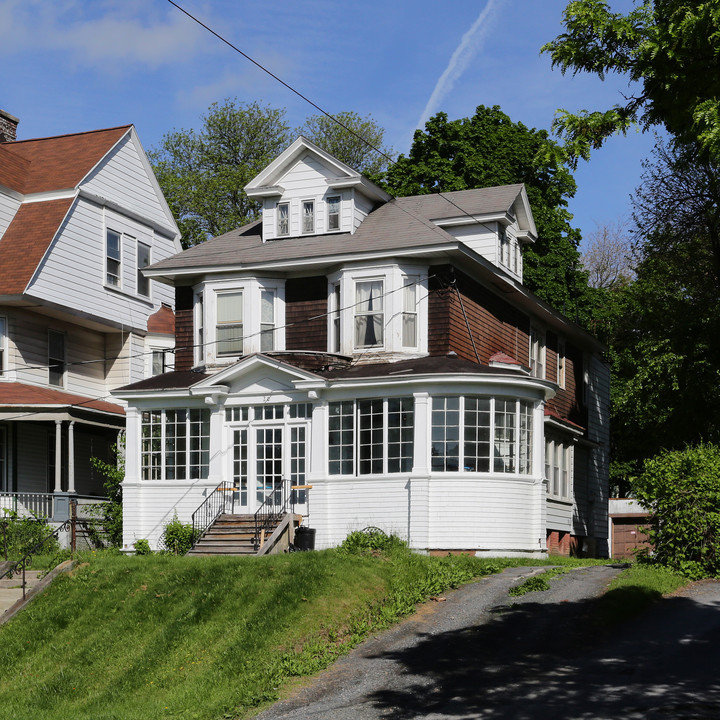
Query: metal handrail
{"x": 270, "y": 512}
{"x": 211, "y": 508}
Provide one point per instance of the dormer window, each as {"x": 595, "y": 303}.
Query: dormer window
{"x": 409, "y": 316}
{"x": 333, "y": 210}
{"x": 283, "y": 219}
{"x": 308, "y": 216}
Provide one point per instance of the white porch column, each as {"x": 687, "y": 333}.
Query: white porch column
{"x": 419, "y": 483}
{"x": 421, "y": 450}
{"x": 58, "y": 456}
{"x": 71, "y": 457}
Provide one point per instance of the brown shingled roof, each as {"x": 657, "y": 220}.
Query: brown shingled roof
{"x": 20, "y": 395}
{"x": 54, "y": 163}
{"x": 24, "y": 243}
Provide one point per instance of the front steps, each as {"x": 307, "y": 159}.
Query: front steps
{"x": 228, "y": 535}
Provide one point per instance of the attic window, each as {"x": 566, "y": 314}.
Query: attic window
{"x": 308, "y": 218}
{"x": 333, "y": 209}
{"x": 283, "y": 219}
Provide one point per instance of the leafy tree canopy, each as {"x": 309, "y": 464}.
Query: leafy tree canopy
{"x": 353, "y": 139}
{"x": 669, "y": 50}
{"x": 202, "y": 173}
{"x": 489, "y": 149}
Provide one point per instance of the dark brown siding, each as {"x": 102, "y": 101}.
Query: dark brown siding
{"x": 184, "y": 355}
{"x": 305, "y": 314}
{"x": 495, "y": 325}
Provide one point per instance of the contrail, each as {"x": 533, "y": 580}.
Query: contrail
{"x": 464, "y": 53}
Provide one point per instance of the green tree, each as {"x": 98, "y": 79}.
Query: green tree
{"x": 111, "y": 511}
{"x": 669, "y": 51}
{"x": 202, "y": 174}
{"x": 353, "y": 139}
{"x": 489, "y": 149}
{"x": 681, "y": 489}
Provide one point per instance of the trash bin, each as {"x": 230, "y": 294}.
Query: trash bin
{"x": 304, "y": 538}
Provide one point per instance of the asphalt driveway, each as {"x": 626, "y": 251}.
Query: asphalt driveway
{"x": 482, "y": 654}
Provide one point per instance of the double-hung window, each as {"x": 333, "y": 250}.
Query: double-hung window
{"x": 537, "y": 353}
{"x": 113, "y": 255}
{"x": 308, "y": 216}
{"x": 410, "y": 313}
{"x": 333, "y": 213}
{"x": 369, "y": 313}
{"x": 481, "y": 434}
{"x": 267, "y": 320}
{"x": 229, "y": 328}
{"x": 56, "y": 358}
{"x": 559, "y": 468}
{"x": 561, "y": 362}
{"x": 283, "y": 219}
{"x": 143, "y": 260}
{"x": 371, "y": 436}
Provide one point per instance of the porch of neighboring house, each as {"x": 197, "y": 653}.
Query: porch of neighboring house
{"x": 46, "y": 451}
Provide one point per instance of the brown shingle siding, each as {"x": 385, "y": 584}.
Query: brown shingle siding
{"x": 184, "y": 328}
{"x": 305, "y": 313}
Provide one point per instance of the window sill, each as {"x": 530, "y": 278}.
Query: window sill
{"x": 139, "y": 298}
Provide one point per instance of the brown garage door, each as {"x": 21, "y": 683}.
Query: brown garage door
{"x": 627, "y": 535}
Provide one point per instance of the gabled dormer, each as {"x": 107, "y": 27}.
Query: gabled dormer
{"x": 306, "y": 191}
{"x": 497, "y": 223}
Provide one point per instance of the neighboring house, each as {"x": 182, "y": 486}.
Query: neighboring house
{"x": 80, "y": 216}
{"x": 385, "y": 352}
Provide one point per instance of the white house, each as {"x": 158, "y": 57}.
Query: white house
{"x": 80, "y": 216}
{"x": 385, "y": 352}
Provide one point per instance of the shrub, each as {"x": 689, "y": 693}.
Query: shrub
{"x": 23, "y": 533}
{"x": 681, "y": 489}
{"x": 142, "y": 547}
{"x": 111, "y": 511}
{"x": 178, "y": 537}
{"x": 371, "y": 541}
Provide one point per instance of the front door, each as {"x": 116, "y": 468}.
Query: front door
{"x": 264, "y": 456}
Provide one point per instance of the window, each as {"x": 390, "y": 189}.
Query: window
{"x": 537, "y": 353}
{"x": 113, "y": 248}
{"x": 561, "y": 361}
{"x": 56, "y": 358}
{"x": 3, "y": 458}
{"x": 175, "y": 444}
{"x": 3, "y": 345}
{"x": 308, "y": 216}
{"x": 200, "y": 325}
{"x": 162, "y": 361}
{"x": 369, "y": 316}
{"x": 267, "y": 320}
{"x": 477, "y": 434}
{"x": 504, "y": 246}
{"x": 409, "y": 316}
{"x": 143, "y": 260}
{"x": 559, "y": 468}
{"x": 229, "y": 330}
{"x": 335, "y": 315}
{"x": 283, "y": 219}
{"x": 371, "y": 437}
{"x": 333, "y": 211}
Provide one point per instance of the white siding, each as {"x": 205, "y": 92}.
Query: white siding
{"x": 8, "y": 207}
{"x": 123, "y": 178}
{"x": 559, "y": 515}
{"x": 480, "y": 238}
{"x": 73, "y": 273}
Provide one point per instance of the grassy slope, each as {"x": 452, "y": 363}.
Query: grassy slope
{"x": 164, "y": 637}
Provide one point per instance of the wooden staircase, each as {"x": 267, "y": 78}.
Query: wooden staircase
{"x": 228, "y": 535}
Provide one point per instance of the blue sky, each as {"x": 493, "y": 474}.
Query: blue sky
{"x": 73, "y": 65}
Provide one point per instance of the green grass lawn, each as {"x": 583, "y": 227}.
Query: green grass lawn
{"x": 166, "y": 637}
{"x": 138, "y": 638}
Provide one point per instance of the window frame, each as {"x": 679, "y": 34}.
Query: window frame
{"x": 561, "y": 375}
{"x": 279, "y": 219}
{"x": 303, "y": 217}
{"x": 519, "y": 435}
{"x": 117, "y": 274}
{"x": 237, "y": 324}
{"x": 559, "y": 468}
{"x": 369, "y": 315}
{"x": 336, "y": 224}
{"x": 3, "y": 345}
{"x": 537, "y": 352}
{"x": 141, "y": 280}
{"x": 57, "y": 362}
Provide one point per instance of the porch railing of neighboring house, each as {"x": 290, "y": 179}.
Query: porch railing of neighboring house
{"x": 54, "y": 507}
{"x": 38, "y": 504}
{"x": 271, "y": 512}
{"x": 214, "y": 505}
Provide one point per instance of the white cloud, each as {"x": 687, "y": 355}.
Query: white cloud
{"x": 469, "y": 46}
{"x": 112, "y": 35}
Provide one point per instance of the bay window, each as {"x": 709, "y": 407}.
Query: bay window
{"x": 175, "y": 444}
{"x": 369, "y": 315}
{"x": 267, "y": 320}
{"x": 229, "y": 329}
{"x": 409, "y": 316}
{"x": 481, "y": 434}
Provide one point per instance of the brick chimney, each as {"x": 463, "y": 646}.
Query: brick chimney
{"x": 8, "y": 127}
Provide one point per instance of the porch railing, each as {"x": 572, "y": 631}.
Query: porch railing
{"x": 214, "y": 505}
{"x": 38, "y": 504}
{"x": 271, "y": 511}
